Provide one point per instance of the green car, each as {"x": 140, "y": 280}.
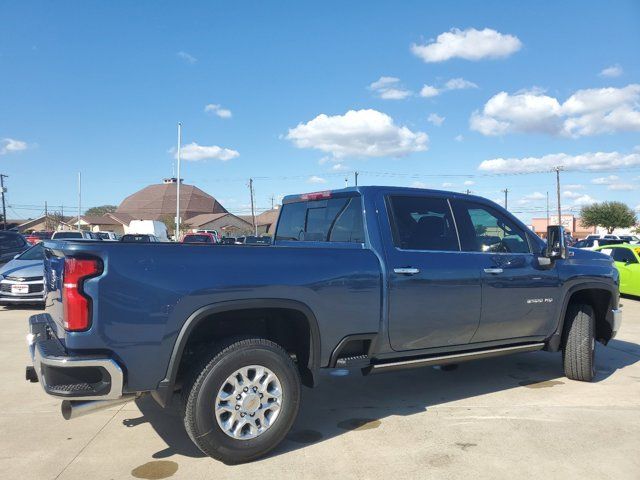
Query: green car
{"x": 627, "y": 260}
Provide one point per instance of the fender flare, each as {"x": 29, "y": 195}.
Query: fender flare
{"x": 165, "y": 388}
{"x": 554, "y": 342}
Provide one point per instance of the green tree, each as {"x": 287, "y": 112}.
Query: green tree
{"x": 101, "y": 210}
{"x": 609, "y": 215}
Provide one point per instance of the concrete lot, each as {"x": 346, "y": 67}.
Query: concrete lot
{"x": 511, "y": 417}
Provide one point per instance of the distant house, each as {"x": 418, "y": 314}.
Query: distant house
{"x": 226, "y": 224}
{"x": 265, "y": 221}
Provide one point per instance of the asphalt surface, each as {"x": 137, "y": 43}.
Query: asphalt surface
{"x": 510, "y": 417}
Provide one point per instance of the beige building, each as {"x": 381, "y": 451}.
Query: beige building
{"x": 226, "y": 224}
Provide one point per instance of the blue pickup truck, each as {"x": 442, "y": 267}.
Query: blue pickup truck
{"x": 372, "y": 279}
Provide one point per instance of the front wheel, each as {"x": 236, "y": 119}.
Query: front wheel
{"x": 242, "y": 402}
{"x": 578, "y": 354}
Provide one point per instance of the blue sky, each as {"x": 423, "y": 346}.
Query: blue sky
{"x": 302, "y": 94}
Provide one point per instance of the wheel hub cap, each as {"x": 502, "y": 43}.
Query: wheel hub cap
{"x": 248, "y": 402}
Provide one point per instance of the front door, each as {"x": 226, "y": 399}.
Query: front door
{"x": 434, "y": 288}
{"x": 628, "y": 267}
{"x": 519, "y": 296}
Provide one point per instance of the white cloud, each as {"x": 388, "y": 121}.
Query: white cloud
{"x": 388, "y": 88}
{"x": 470, "y": 44}
{"x": 605, "y": 180}
{"x": 435, "y": 119}
{"x": 11, "y": 145}
{"x": 458, "y": 138}
{"x": 587, "y": 161}
{"x": 217, "y": 110}
{"x": 429, "y": 91}
{"x": 574, "y": 186}
{"x": 459, "y": 84}
{"x": 188, "y": 58}
{"x": 418, "y": 184}
{"x": 586, "y": 112}
{"x": 316, "y": 179}
{"x": 447, "y": 185}
{"x": 584, "y": 200}
{"x": 612, "y": 71}
{"x": 195, "y": 152}
{"x": 625, "y": 187}
{"x": 571, "y": 194}
{"x": 339, "y": 167}
{"x": 358, "y": 133}
{"x": 468, "y": 183}
{"x": 637, "y": 209}
{"x": 532, "y": 197}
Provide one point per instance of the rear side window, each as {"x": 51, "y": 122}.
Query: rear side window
{"x": 67, "y": 235}
{"x": 623, "y": 255}
{"x": 332, "y": 220}
{"x": 422, "y": 223}
{"x": 483, "y": 229}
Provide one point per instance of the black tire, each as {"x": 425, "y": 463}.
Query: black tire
{"x": 578, "y": 354}
{"x": 200, "y": 391}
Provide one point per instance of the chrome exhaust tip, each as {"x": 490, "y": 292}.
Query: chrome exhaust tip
{"x": 78, "y": 408}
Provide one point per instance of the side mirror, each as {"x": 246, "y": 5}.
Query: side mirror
{"x": 556, "y": 246}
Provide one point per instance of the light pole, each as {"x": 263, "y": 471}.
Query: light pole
{"x": 177, "y": 239}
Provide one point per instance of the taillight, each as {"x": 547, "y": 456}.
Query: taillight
{"x": 316, "y": 195}
{"x": 75, "y": 304}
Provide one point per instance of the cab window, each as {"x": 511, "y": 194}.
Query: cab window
{"x": 484, "y": 229}
{"x": 422, "y": 223}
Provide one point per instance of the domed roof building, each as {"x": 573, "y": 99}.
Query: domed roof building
{"x": 156, "y": 202}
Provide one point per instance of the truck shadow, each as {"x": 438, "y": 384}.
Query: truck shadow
{"x": 353, "y": 402}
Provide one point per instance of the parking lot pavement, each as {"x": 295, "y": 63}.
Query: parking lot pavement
{"x": 510, "y": 417}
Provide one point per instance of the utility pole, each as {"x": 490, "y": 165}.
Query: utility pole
{"x": 177, "y": 237}
{"x": 506, "y": 194}
{"x": 79, "y": 197}
{"x": 346, "y": 182}
{"x": 253, "y": 213}
{"x": 4, "y": 210}
{"x": 355, "y": 174}
{"x": 273, "y": 198}
{"x": 468, "y": 192}
{"x": 558, "y": 170}
{"x": 46, "y": 217}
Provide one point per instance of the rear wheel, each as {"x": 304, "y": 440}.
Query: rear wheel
{"x": 578, "y": 354}
{"x": 242, "y": 401}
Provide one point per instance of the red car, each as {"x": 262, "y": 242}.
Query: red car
{"x": 199, "y": 238}
{"x": 37, "y": 237}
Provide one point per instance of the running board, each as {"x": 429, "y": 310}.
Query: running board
{"x": 452, "y": 358}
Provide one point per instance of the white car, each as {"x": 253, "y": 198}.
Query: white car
{"x": 148, "y": 227}
{"x": 74, "y": 235}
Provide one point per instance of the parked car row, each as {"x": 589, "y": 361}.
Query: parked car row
{"x": 21, "y": 278}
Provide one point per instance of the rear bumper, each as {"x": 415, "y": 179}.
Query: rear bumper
{"x": 86, "y": 377}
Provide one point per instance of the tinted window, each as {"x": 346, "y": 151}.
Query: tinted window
{"x": 198, "y": 239}
{"x": 623, "y": 255}
{"x": 483, "y": 229}
{"x": 34, "y": 253}
{"x": 136, "y": 238}
{"x": 9, "y": 241}
{"x": 422, "y": 223}
{"x": 67, "y": 235}
{"x": 333, "y": 220}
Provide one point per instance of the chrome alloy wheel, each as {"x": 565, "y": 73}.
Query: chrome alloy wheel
{"x": 248, "y": 402}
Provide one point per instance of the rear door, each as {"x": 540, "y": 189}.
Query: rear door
{"x": 434, "y": 288}
{"x": 519, "y": 297}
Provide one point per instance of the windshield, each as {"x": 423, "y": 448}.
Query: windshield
{"x": 34, "y": 253}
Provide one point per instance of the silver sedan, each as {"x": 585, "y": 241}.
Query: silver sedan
{"x": 21, "y": 280}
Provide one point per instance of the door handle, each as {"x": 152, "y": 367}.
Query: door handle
{"x": 493, "y": 271}
{"x": 406, "y": 270}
